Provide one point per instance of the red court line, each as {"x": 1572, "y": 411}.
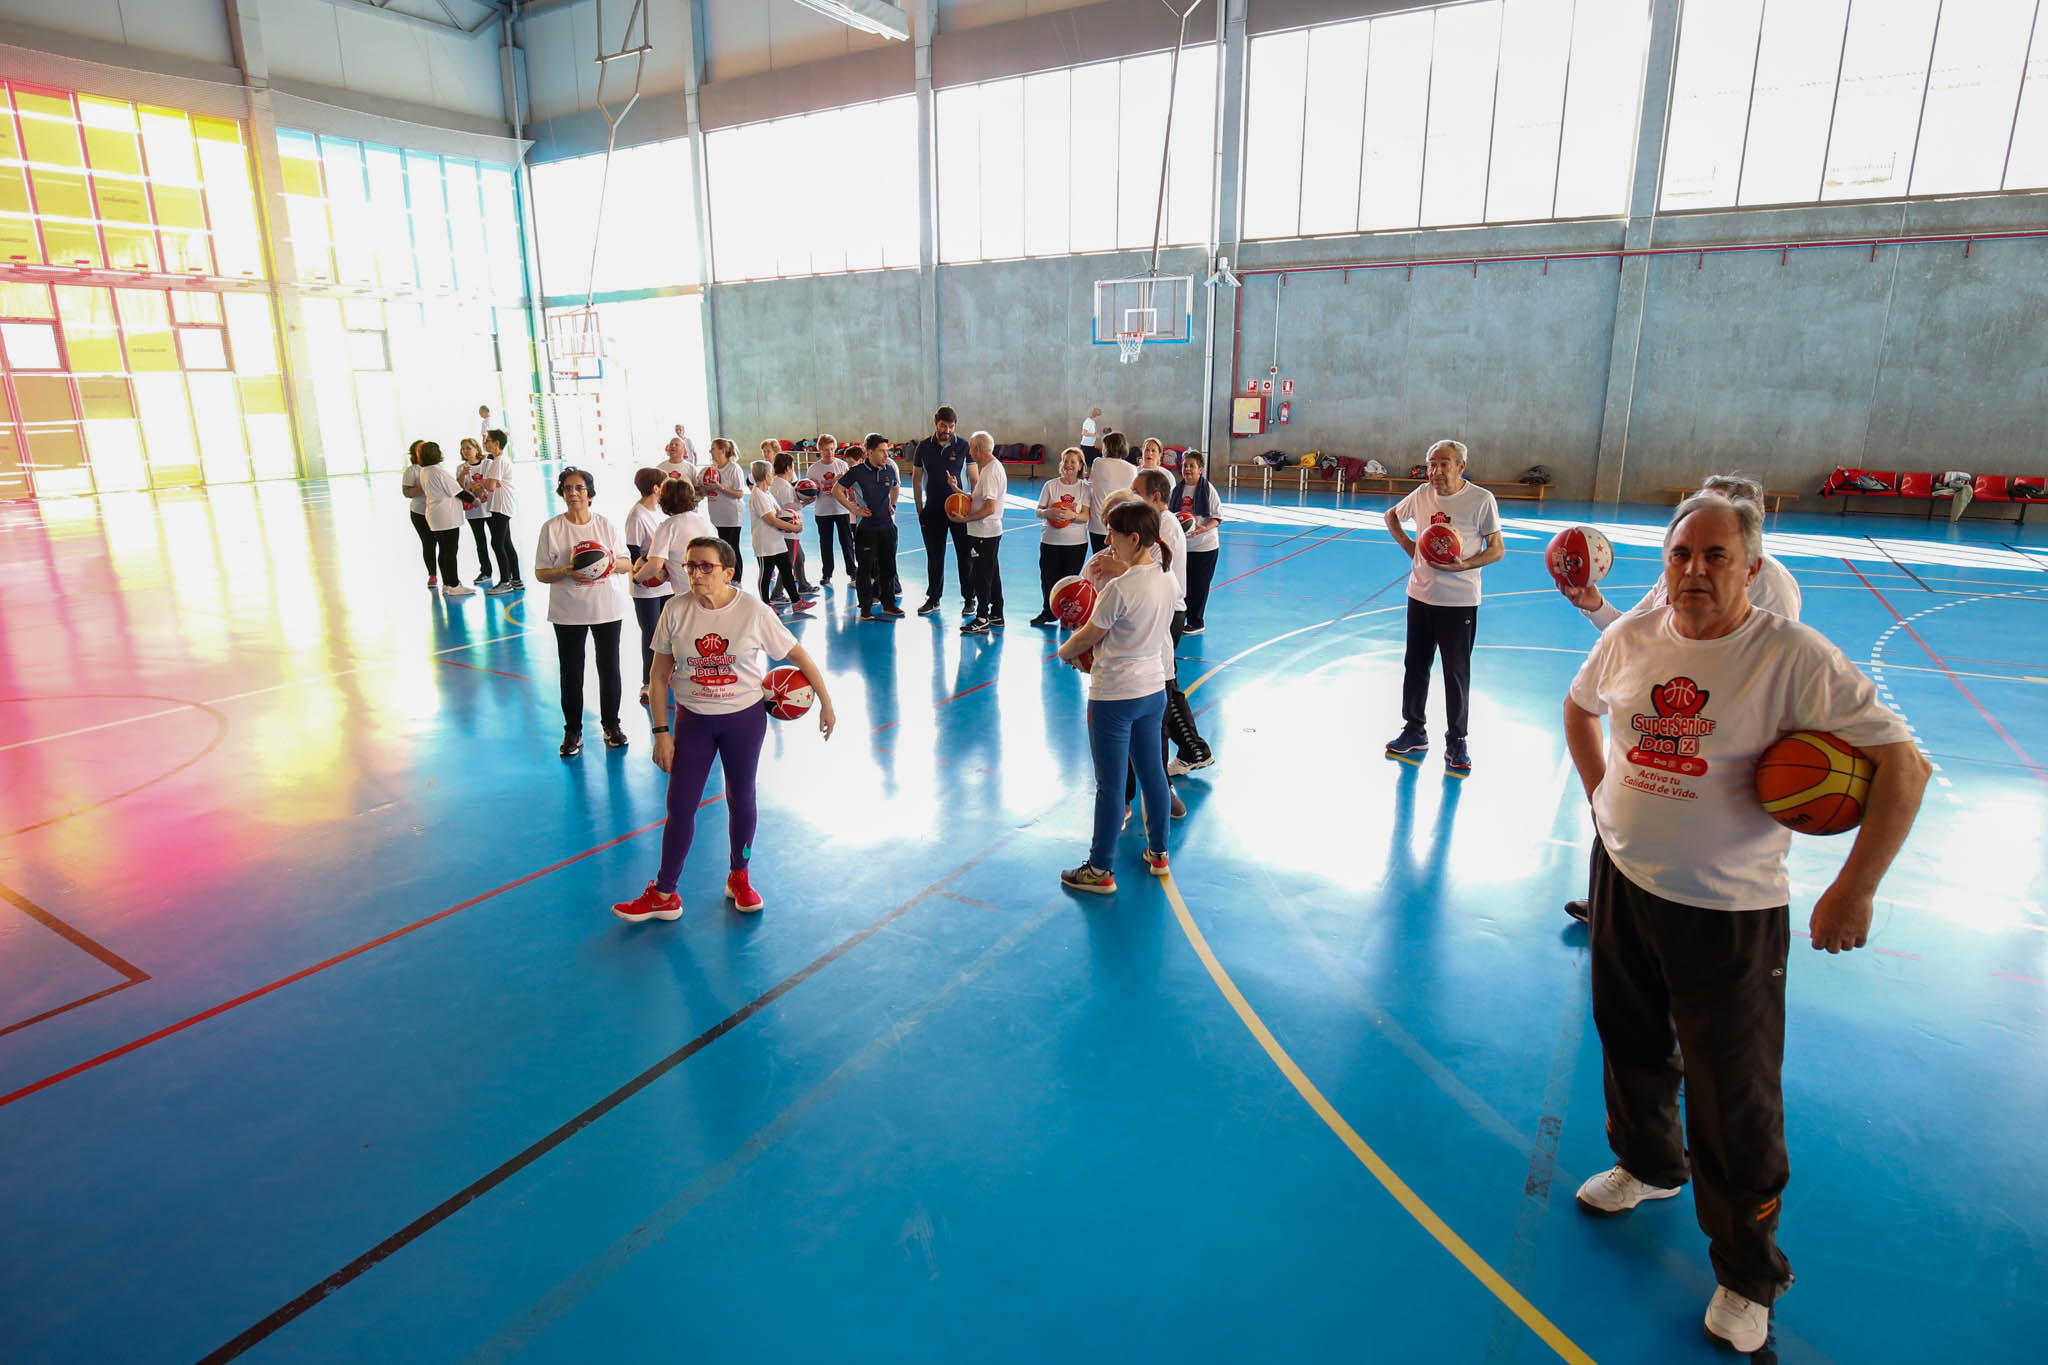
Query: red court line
{"x": 1942, "y": 664}
{"x": 478, "y": 668}
{"x": 1260, "y": 568}
{"x": 21, "y": 1024}
{"x": 181, "y": 1025}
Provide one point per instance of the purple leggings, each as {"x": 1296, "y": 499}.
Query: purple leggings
{"x": 735, "y": 738}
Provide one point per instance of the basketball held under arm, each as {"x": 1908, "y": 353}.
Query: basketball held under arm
{"x": 1841, "y": 917}
{"x": 1081, "y": 642}
{"x": 827, "y": 720}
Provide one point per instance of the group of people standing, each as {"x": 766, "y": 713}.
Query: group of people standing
{"x": 477, "y": 490}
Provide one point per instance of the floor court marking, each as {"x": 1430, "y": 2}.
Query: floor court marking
{"x": 130, "y": 973}
{"x": 505, "y": 1170}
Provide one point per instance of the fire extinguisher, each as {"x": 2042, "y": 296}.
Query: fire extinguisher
{"x": 1282, "y": 417}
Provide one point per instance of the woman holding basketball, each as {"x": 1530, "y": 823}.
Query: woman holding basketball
{"x": 579, "y": 557}
{"x": 1063, "y": 508}
{"x": 1195, "y": 501}
{"x": 643, "y": 519}
{"x": 711, "y": 651}
{"x": 724, "y": 486}
{"x": 1128, "y": 634}
{"x": 476, "y": 509}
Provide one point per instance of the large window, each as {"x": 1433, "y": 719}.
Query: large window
{"x": 1486, "y": 112}
{"x": 1067, "y": 161}
{"x": 642, "y": 210}
{"x": 1804, "y": 101}
{"x": 815, "y": 193}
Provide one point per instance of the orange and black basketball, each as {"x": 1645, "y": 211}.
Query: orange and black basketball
{"x": 1814, "y": 783}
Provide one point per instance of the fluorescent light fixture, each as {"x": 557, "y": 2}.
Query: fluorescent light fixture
{"x": 869, "y": 16}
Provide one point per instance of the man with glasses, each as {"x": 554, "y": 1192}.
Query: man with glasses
{"x": 937, "y": 467}
{"x": 868, "y": 491}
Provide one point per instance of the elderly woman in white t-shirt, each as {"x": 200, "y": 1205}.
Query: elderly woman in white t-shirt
{"x": 711, "y": 652}
{"x": 443, "y": 498}
{"x": 1122, "y": 649}
{"x": 584, "y": 603}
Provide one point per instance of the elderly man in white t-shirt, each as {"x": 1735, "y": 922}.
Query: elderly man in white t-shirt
{"x": 1443, "y": 603}
{"x": 1690, "y": 921}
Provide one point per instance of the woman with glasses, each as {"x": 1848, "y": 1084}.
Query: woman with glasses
{"x": 584, "y": 603}
{"x": 711, "y": 652}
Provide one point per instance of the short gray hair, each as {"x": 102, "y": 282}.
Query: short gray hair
{"x": 1446, "y": 444}
{"x": 1748, "y": 515}
{"x": 1734, "y": 487}
{"x": 759, "y": 470}
{"x": 981, "y": 440}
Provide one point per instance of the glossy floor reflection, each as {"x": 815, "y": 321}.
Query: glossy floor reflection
{"x": 317, "y": 1043}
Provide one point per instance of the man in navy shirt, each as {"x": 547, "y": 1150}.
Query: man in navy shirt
{"x": 941, "y": 461}
{"x": 869, "y": 492}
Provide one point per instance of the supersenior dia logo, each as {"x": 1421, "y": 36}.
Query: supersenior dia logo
{"x": 712, "y": 664}
{"x": 1669, "y": 737}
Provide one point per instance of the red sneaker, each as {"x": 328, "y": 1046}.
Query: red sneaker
{"x": 1155, "y": 860}
{"x": 650, "y": 904}
{"x": 742, "y": 894}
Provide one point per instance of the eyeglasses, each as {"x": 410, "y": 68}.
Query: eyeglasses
{"x": 702, "y": 565}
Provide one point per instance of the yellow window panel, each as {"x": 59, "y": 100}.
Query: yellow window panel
{"x": 13, "y": 190}
{"x": 186, "y": 253}
{"x": 105, "y": 398}
{"x": 111, "y": 148}
{"x": 262, "y": 397}
{"x": 147, "y": 326}
{"x": 49, "y": 129}
{"x": 190, "y": 306}
{"x": 56, "y": 447}
{"x": 177, "y": 207}
{"x": 71, "y": 243}
{"x": 302, "y": 177}
{"x": 26, "y": 301}
{"x": 131, "y": 248}
{"x": 91, "y": 338}
{"x": 121, "y": 201}
{"x": 19, "y": 241}
{"x": 45, "y": 399}
{"x": 10, "y": 149}
{"x": 12, "y": 484}
{"x": 217, "y": 129}
{"x": 168, "y": 140}
{"x": 61, "y": 194}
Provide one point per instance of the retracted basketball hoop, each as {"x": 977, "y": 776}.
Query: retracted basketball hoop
{"x": 576, "y": 344}
{"x": 1128, "y": 345}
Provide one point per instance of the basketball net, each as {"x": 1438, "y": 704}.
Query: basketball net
{"x": 1128, "y": 345}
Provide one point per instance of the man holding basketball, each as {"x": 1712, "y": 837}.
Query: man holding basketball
{"x": 936, "y": 468}
{"x": 1443, "y": 600}
{"x": 1690, "y": 924}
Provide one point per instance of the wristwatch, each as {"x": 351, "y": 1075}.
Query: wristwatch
{"x": 660, "y": 730}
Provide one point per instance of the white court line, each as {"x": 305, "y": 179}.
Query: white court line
{"x": 241, "y": 696}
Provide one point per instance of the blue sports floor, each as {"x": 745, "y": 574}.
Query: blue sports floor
{"x": 317, "y": 1042}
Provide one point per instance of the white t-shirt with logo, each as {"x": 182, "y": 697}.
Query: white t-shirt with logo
{"x": 671, "y": 542}
{"x": 730, "y": 510}
{"x": 642, "y": 525}
{"x": 499, "y": 467}
{"x": 1076, "y": 497}
{"x": 676, "y": 469}
{"x": 1105, "y": 476}
{"x": 471, "y": 477}
{"x": 1773, "y": 589}
{"x": 721, "y": 655}
{"x": 571, "y": 601}
{"x": 786, "y": 499}
{"x": 1136, "y": 608}
{"x": 1475, "y": 515}
{"x": 1191, "y": 496}
{"x": 1687, "y": 720}
{"x": 443, "y": 497}
{"x": 768, "y": 540}
{"x": 991, "y": 485}
{"x": 826, "y": 474}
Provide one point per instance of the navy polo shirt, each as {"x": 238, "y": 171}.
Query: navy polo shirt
{"x": 873, "y": 485}
{"x": 939, "y": 463}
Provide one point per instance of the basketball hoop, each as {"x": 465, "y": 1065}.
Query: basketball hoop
{"x": 1128, "y": 344}
{"x": 575, "y": 344}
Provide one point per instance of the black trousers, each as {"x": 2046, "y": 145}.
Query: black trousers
{"x": 1201, "y": 571}
{"x": 648, "y": 612}
{"x": 1179, "y": 717}
{"x": 935, "y": 529}
{"x": 426, "y": 535}
{"x": 731, "y": 536}
{"x": 773, "y": 566}
{"x": 843, "y": 528}
{"x": 874, "y": 574}
{"x": 501, "y": 542}
{"x": 446, "y": 544}
{"x": 1692, "y": 996}
{"x": 569, "y": 651}
{"x": 1054, "y": 563}
{"x": 985, "y": 581}
{"x": 1438, "y": 631}
{"x": 480, "y": 527}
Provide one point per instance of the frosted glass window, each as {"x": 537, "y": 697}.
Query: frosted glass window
{"x": 368, "y": 351}
{"x": 1877, "y": 108}
{"x": 502, "y": 233}
{"x": 957, "y": 172}
{"x": 1396, "y": 93}
{"x": 1046, "y": 115}
{"x": 1535, "y": 53}
{"x": 384, "y": 168}
{"x": 1191, "y": 160}
{"x": 466, "y": 229}
{"x": 217, "y": 417}
{"x": 92, "y": 340}
{"x": 348, "y": 207}
{"x": 30, "y": 346}
{"x": 1092, "y": 152}
{"x": 203, "y": 348}
{"x": 1971, "y": 93}
{"x": 115, "y": 448}
{"x": 429, "y": 221}
{"x": 1462, "y": 67}
{"x": 1610, "y": 39}
{"x": 1794, "y": 96}
{"x": 249, "y": 328}
{"x": 2027, "y": 166}
{"x": 1710, "y": 102}
{"x": 167, "y": 428}
{"x": 1001, "y": 163}
{"x": 1333, "y": 128}
{"x": 1277, "y": 68}
{"x": 756, "y": 229}
{"x": 231, "y": 208}
{"x": 1141, "y": 136}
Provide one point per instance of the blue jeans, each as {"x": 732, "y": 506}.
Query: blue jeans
{"x": 1123, "y": 735}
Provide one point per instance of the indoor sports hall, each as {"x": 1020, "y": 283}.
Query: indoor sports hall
{"x": 330, "y": 1027}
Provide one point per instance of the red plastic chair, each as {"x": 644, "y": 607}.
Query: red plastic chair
{"x": 1991, "y": 488}
{"x": 2024, "y": 503}
{"x": 1891, "y": 484}
{"x": 1916, "y": 485}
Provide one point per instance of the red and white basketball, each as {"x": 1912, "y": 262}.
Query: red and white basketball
{"x": 1579, "y": 557}
{"x": 707, "y": 477}
{"x": 786, "y": 692}
{"x": 1441, "y": 545}
{"x": 1187, "y": 519}
{"x": 1073, "y": 601}
{"x": 1057, "y": 518}
{"x": 655, "y": 574}
{"x": 589, "y": 560}
{"x": 807, "y": 491}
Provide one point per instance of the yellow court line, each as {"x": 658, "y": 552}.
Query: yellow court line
{"x": 1422, "y": 1213}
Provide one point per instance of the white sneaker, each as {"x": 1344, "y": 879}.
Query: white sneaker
{"x": 1735, "y": 1322}
{"x": 1616, "y": 1191}
{"x": 1178, "y": 767}
{"x": 458, "y": 591}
